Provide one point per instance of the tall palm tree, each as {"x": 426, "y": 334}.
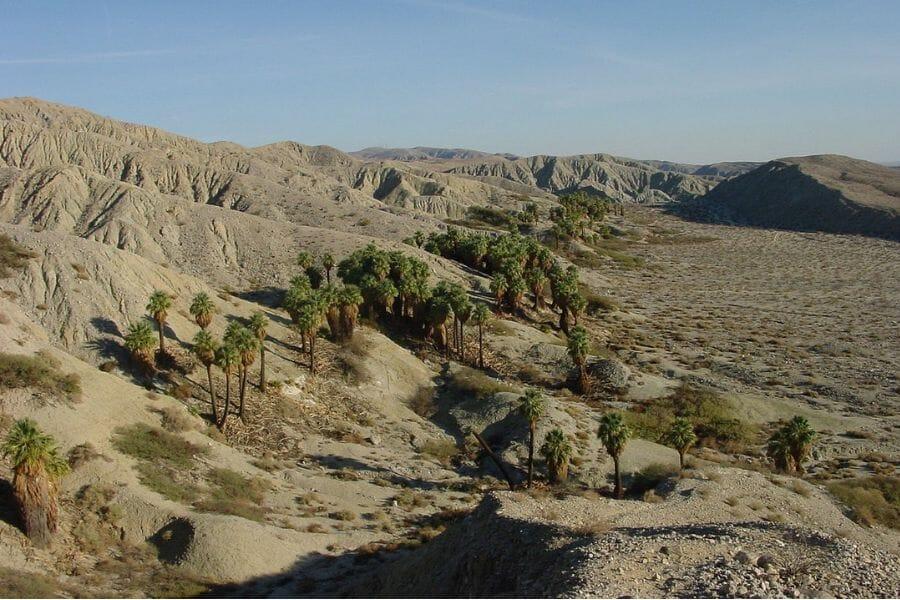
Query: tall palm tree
{"x": 258, "y": 325}
{"x": 532, "y": 407}
{"x": 244, "y": 342}
{"x": 227, "y": 358}
{"x": 614, "y": 434}
{"x": 205, "y": 350}
{"x": 556, "y": 451}
{"x": 800, "y": 437}
{"x": 202, "y": 309}
{"x": 680, "y": 436}
{"x": 308, "y": 321}
{"x": 37, "y": 467}
{"x": 328, "y": 264}
{"x": 158, "y": 307}
{"x": 480, "y": 316}
{"x": 778, "y": 449}
{"x": 348, "y": 298}
{"x": 140, "y": 341}
{"x": 578, "y": 350}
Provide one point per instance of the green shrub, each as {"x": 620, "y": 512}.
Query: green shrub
{"x": 872, "y": 500}
{"x": 712, "y": 415}
{"x": 165, "y": 481}
{"x": 444, "y": 450}
{"x": 153, "y": 444}
{"x": 39, "y": 372}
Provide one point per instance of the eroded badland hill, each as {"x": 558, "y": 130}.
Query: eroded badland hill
{"x": 403, "y": 304}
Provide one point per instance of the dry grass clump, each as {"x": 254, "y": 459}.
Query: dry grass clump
{"x": 444, "y": 450}
{"x": 593, "y": 529}
{"x": 12, "y": 255}
{"x": 175, "y": 419}
{"x": 471, "y": 382}
{"x": 40, "y": 372}
{"x": 231, "y": 493}
{"x": 21, "y": 584}
{"x": 872, "y": 500}
{"x": 409, "y": 499}
{"x": 81, "y": 454}
{"x": 343, "y": 515}
{"x": 423, "y": 401}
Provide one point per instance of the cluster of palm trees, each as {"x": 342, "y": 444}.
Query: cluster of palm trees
{"x": 233, "y": 355}
{"x": 790, "y": 445}
{"x": 392, "y": 285}
{"x": 577, "y": 215}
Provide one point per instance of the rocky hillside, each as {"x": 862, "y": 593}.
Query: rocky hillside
{"x": 423, "y": 153}
{"x": 829, "y": 193}
{"x": 620, "y": 178}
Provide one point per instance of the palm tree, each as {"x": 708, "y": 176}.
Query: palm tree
{"x": 227, "y": 358}
{"x": 328, "y": 264}
{"x": 205, "y": 350}
{"x": 680, "y": 436}
{"x": 348, "y": 298}
{"x": 308, "y": 321}
{"x": 578, "y": 350}
{"x": 244, "y": 342}
{"x": 532, "y": 407}
{"x": 158, "y": 307}
{"x": 480, "y": 316}
{"x": 140, "y": 341}
{"x": 37, "y": 467}
{"x": 556, "y": 451}
{"x": 304, "y": 259}
{"x": 614, "y": 434}
{"x": 778, "y": 448}
{"x": 202, "y": 309}
{"x": 799, "y": 436}
{"x": 258, "y": 324}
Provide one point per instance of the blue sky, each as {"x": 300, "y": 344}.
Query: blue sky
{"x": 685, "y": 81}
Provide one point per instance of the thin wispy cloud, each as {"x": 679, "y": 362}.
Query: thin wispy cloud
{"x": 96, "y": 57}
{"x": 475, "y": 11}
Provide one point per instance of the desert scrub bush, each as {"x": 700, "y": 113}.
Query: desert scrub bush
{"x": 12, "y": 255}
{"x": 22, "y": 584}
{"x": 167, "y": 482}
{"x": 648, "y": 478}
{"x": 231, "y": 493}
{"x": 82, "y": 454}
{"x": 39, "y": 372}
{"x": 872, "y": 500}
{"x": 409, "y": 499}
{"x": 422, "y": 402}
{"x": 712, "y": 416}
{"x": 175, "y": 419}
{"x": 343, "y": 515}
{"x": 95, "y": 531}
{"x": 489, "y": 216}
{"x": 152, "y": 444}
{"x": 443, "y": 450}
{"x": 471, "y": 382}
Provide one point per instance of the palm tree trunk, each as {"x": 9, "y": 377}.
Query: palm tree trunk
{"x": 312, "y": 354}
{"x": 618, "y": 491}
{"x": 212, "y": 394}
{"x": 161, "y": 325}
{"x": 262, "y": 368}
{"x": 531, "y": 453}
{"x": 33, "y": 490}
{"x": 227, "y": 401}
{"x": 680, "y": 461}
{"x": 494, "y": 458}
{"x": 243, "y": 388}
{"x": 462, "y": 342}
{"x": 480, "y": 345}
